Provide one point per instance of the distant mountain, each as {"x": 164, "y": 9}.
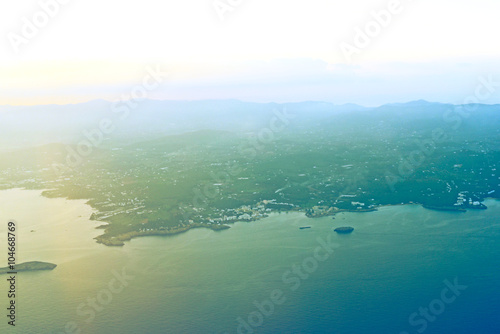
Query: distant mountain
{"x": 130, "y": 121}
{"x": 23, "y": 126}
{"x": 417, "y": 103}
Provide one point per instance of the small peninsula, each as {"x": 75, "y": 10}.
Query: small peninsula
{"x": 119, "y": 239}
{"x": 29, "y": 266}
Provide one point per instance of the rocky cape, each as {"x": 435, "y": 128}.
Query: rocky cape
{"x": 119, "y": 239}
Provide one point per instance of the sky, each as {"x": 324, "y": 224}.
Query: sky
{"x": 368, "y": 52}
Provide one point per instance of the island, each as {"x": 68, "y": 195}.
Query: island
{"x": 29, "y": 266}
{"x": 344, "y": 229}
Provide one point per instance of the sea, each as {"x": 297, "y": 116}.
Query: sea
{"x": 403, "y": 270}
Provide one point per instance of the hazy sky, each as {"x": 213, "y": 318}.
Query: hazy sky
{"x": 262, "y": 50}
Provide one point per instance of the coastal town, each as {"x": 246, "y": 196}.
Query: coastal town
{"x": 206, "y": 179}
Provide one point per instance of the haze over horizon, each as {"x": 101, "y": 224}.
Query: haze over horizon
{"x": 354, "y": 104}
{"x": 256, "y": 51}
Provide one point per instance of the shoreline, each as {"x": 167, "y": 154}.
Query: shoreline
{"x": 119, "y": 240}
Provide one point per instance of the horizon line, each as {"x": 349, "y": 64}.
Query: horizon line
{"x": 243, "y": 101}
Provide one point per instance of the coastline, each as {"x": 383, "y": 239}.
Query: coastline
{"x": 443, "y": 208}
{"x": 119, "y": 240}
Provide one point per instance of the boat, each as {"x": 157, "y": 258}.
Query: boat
{"x": 304, "y": 227}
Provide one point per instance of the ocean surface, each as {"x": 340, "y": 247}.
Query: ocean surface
{"x": 403, "y": 270}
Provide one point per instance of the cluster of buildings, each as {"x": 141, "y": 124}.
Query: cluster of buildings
{"x": 462, "y": 200}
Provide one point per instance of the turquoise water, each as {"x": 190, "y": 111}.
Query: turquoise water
{"x": 396, "y": 261}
